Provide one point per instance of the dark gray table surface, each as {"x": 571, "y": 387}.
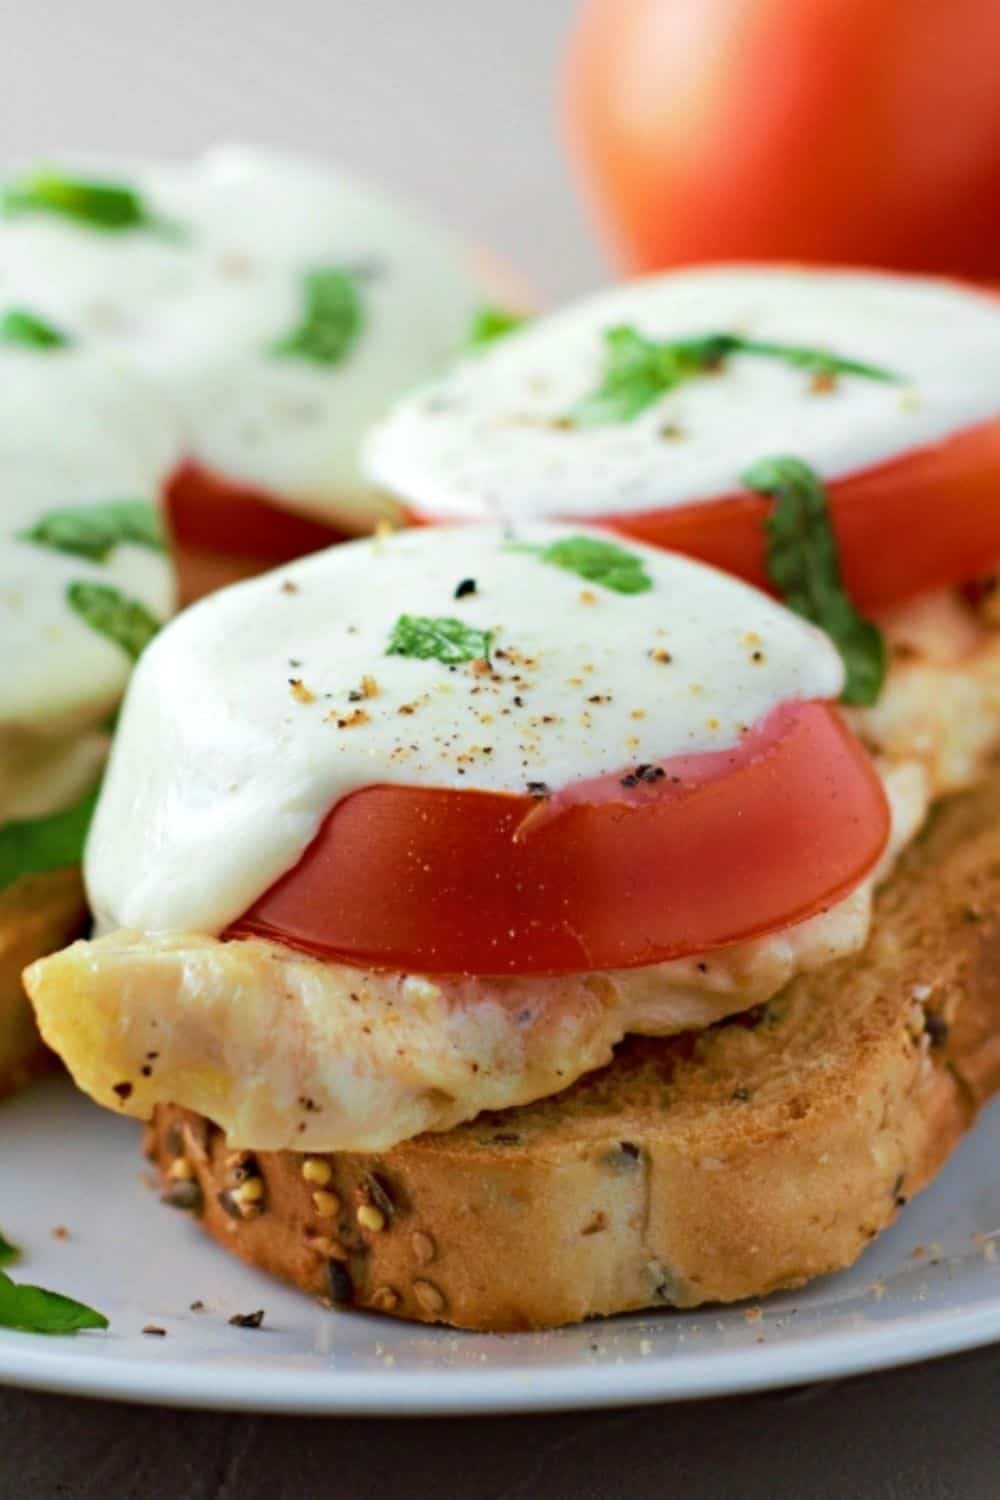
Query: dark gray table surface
{"x": 929, "y": 1432}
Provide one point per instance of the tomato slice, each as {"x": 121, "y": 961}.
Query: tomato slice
{"x": 723, "y": 846}
{"x": 209, "y": 513}
{"x": 926, "y": 520}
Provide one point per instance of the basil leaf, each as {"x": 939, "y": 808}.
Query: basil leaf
{"x": 94, "y": 531}
{"x": 440, "y": 637}
{"x": 598, "y": 562}
{"x": 31, "y": 1309}
{"x": 8, "y": 1253}
{"x": 108, "y": 206}
{"x": 489, "y": 323}
{"x": 19, "y": 326}
{"x": 815, "y": 361}
{"x": 638, "y": 371}
{"x": 34, "y": 846}
{"x": 127, "y": 622}
{"x": 803, "y": 563}
{"x": 332, "y": 318}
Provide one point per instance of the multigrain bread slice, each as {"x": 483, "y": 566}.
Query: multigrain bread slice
{"x": 38, "y": 914}
{"x": 706, "y": 1168}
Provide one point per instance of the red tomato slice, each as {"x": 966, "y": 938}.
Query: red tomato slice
{"x": 210, "y": 513}
{"x": 723, "y": 847}
{"x": 926, "y": 520}
{"x": 929, "y": 519}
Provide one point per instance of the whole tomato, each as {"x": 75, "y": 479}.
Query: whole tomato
{"x": 860, "y": 131}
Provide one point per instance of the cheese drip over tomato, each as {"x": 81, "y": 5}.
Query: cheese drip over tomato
{"x": 449, "y": 659}
{"x": 494, "y": 436}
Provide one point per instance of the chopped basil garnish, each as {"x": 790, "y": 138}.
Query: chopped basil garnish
{"x": 34, "y": 846}
{"x": 94, "y": 531}
{"x": 332, "y": 318}
{"x": 638, "y": 371}
{"x": 31, "y": 1309}
{"x": 803, "y": 563}
{"x": 19, "y": 326}
{"x": 800, "y": 357}
{"x": 489, "y": 323}
{"x": 126, "y": 622}
{"x": 8, "y": 1253}
{"x": 109, "y": 206}
{"x": 598, "y": 562}
{"x": 439, "y": 637}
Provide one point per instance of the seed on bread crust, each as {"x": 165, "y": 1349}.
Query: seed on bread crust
{"x": 186, "y": 1196}
{"x": 384, "y": 1299}
{"x": 880, "y": 1106}
{"x": 430, "y": 1298}
{"x": 371, "y": 1218}
{"x": 340, "y": 1283}
{"x": 317, "y": 1171}
{"x": 423, "y": 1247}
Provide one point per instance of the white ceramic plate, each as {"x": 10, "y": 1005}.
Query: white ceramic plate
{"x": 930, "y": 1286}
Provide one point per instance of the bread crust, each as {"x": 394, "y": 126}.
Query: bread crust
{"x": 38, "y": 914}
{"x": 710, "y": 1168}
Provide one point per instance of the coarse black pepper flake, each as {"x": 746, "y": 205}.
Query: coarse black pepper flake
{"x": 538, "y": 789}
{"x": 247, "y": 1320}
{"x": 123, "y": 1090}
{"x": 155, "y": 1330}
{"x": 465, "y": 588}
{"x": 341, "y": 1285}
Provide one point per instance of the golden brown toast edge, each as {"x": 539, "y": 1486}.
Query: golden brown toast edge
{"x": 756, "y": 1155}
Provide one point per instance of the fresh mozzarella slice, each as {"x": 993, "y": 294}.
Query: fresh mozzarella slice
{"x": 202, "y": 297}
{"x": 262, "y": 707}
{"x": 494, "y": 437}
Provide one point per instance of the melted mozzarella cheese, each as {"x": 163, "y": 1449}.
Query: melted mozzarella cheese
{"x": 940, "y": 704}
{"x": 490, "y": 439}
{"x": 75, "y": 430}
{"x": 263, "y": 706}
{"x": 245, "y": 1032}
{"x": 283, "y": 1050}
{"x": 199, "y": 305}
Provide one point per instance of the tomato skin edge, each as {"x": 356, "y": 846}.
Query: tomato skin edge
{"x": 926, "y": 520}
{"x": 210, "y": 512}
{"x": 434, "y": 881}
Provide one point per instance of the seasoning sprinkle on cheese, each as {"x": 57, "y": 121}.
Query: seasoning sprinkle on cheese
{"x": 491, "y": 439}
{"x": 531, "y": 690}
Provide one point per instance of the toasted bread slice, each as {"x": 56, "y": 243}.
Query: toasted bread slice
{"x": 38, "y": 914}
{"x": 709, "y": 1167}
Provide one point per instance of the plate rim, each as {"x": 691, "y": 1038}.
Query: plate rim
{"x": 446, "y": 1392}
